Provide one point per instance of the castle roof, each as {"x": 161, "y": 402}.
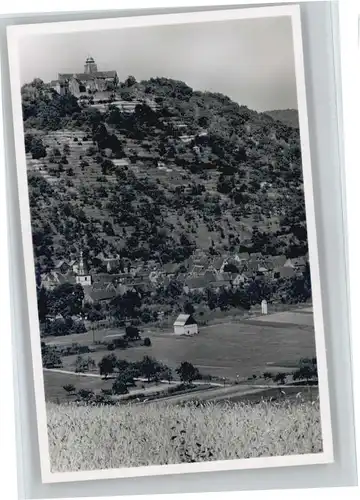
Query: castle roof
{"x": 87, "y": 76}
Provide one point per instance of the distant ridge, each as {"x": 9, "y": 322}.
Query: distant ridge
{"x": 289, "y": 117}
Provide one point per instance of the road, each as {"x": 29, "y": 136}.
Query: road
{"x": 216, "y": 393}
{"x": 223, "y": 394}
{"x": 139, "y": 379}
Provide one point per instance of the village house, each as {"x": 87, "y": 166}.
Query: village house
{"x": 98, "y": 295}
{"x": 238, "y": 279}
{"x": 62, "y": 267}
{"x": 217, "y": 265}
{"x": 110, "y": 263}
{"x": 278, "y": 260}
{"x": 195, "y": 284}
{"x": 170, "y": 268}
{"x": 242, "y": 257}
{"x": 53, "y": 279}
{"x": 196, "y": 270}
{"x": 283, "y": 272}
{"x": 185, "y": 324}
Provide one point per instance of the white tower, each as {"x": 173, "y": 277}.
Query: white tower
{"x": 82, "y": 278}
{"x": 264, "y": 309}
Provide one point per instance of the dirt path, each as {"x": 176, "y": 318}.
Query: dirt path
{"x": 139, "y": 379}
{"x": 222, "y": 394}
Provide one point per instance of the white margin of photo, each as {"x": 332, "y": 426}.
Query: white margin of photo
{"x": 14, "y": 35}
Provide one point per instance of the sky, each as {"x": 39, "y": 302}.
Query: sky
{"x": 249, "y": 60}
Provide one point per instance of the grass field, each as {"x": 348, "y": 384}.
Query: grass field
{"x": 225, "y": 350}
{"x": 88, "y": 438}
{"x": 54, "y": 383}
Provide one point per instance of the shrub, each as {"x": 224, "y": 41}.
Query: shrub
{"x": 84, "y": 164}
{"x": 85, "y": 394}
{"x": 119, "y": 387}
{"x": 107, "y": 392}
{"x": 79, "y": 327}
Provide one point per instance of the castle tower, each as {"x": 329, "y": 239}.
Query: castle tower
{"x": 90, "y": 66}
{"x": 82, "y": 278}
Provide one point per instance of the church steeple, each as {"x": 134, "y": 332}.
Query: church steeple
{"x": 81, "y": 264}
{"x": 90, "y": 65}
{"x": 82, "y": 278}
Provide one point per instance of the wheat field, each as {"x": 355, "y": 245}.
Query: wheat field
{"x": 106, "y": 437}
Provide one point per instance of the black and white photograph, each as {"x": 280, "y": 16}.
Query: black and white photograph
{"x": 168, "y": 224}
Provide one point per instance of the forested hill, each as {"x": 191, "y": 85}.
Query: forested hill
{"x": 287, "y": 116}
{"x": 197, "y": 171}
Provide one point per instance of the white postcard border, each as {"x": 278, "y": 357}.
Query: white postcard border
{"x": 14, "y": 35}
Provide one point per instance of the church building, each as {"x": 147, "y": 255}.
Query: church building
{"x": 90, "y": 81}
{"x": 82, "y": 278}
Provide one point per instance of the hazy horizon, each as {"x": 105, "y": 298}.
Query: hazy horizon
{"x": 251, "y": 61}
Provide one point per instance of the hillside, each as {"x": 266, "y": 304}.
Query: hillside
{"x": 289, "y": 117}
{"x": 190, "y": 171}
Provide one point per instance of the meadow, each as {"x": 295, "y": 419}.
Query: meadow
{"x": 224, "y": 350}
{"x": 103, "y": 437}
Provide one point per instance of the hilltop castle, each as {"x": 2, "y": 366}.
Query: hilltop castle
{"x": 90, "y": 81}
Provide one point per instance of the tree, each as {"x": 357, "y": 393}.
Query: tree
{"x": 307, "y": 370}
{"x": 51, "y": 358}
{"x": 187, "y": 372}
{"x": 107, "y": 166}
{"x": 42, "y": 300}
{"x": 167, "y": 374}
{"x": 84, "y": 364}
{"x": 69, "y": 388}
{"x": 280, "y": 378}
{"x": 66, "y": 299}
{"x": 147, "y": 342}
{"x": 189, "y": 308}
{"x": 37, "y": 149}
{"x": 107, "y": 365}
{"x": 28, "y": 142}
{"x": 127, "y": 376}
{"x": 119, "y": 386}
{"x": 231, "y": 268}
{"x": 130, "y": 81}
{"x": 132, "y": 332}
{"x": 149, "y": 367}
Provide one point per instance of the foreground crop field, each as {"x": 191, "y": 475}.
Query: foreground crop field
{"x": 88, "y": 438}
